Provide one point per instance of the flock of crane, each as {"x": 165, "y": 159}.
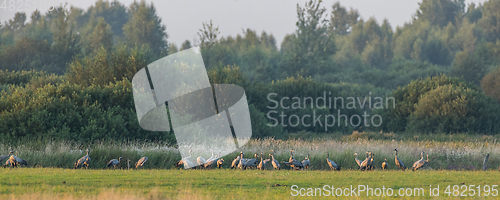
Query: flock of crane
{"x": 239, "y": 162}
{"x": 14, "y": 161}
{"x": 243, "y": 163}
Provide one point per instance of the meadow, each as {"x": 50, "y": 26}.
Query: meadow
{"x": 57, "y": 183}
{"x": 453, "y": 160}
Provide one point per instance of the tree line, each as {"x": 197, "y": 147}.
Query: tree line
{"x": 66, "y": 73}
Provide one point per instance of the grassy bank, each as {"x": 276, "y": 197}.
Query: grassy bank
{"x": 465, "y": 154}
{"x": 50, "y": 183}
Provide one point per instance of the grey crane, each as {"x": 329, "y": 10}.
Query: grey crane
{"x": 291, "y": 156}
{"x": 212, "y": 162}
{"x": 189, "y": 157}
{"x": 179, "y": 163}
{"x": 261, "y": 165}
{"x": 399, "y": 163}
{"x": 236, "y": 161}
{"x": 252, "y": 163}
{"x": 201, "y": 161}
{"x": 114, "y": 162}
{"x": 11, "y": 161}
{"x": 332, "y": 164}
{"x": 4, "y": 157}
{"x": 141, "y": 162}
{"x": 217, "y": 157}
{"x": 83, "y": 161}
{"x": 185, "y": 162}
{"x": 274, "y": 162}
{"x": 365, "y": 165}
{"x": 418, "y": 162}
{"x": 188, "y": 164}
{"x": 385, "y": 164}
{"x": 372, "y": 161}
{"x": 305, "y": 162}
{"x": 242, "y": 163}
{"x": 294, "y": 164}
{"x": 358, "y": 161}
{"x": 20, "y": 161}
{"x": 421, "y": 163}
{"x": 220, "y": 162}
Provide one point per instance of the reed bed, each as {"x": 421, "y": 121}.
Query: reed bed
{"x": 448, "y": 155}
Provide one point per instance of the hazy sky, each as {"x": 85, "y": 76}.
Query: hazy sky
{"x": 183, "y": 18}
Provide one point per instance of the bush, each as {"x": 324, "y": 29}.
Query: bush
{"x": 491, "y": 84}
{"x": 72, "y": 112}
{"x": 106, "y": 67}
{"x": 306, "y": 87}
{"x": 441, "y": 104}
{"x": 452, "y": 109}
{"x": 19, "y": 77}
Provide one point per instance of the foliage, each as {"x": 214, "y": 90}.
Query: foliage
{"x": 491, "y": 84}
{"x": 341, "y": 20}
{"x": 54, "y": 62}
{"x": 72, "y": 112}
{"x": 490, "y": 20}
{"x": 107, "y": 66}
{"x": 19, "y": 77}
{"x": 308, "y": 51}
{"x": 440, "y": 12}
{"x": 145, "y": 27}
{"x": 208, "y": 35}
{"x": 441, "y": 104}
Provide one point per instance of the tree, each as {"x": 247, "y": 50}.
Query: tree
{"x": 491, "y": 84}
{"x": 113, "y": 12}
{"x": 107, "y": 66}
{"x": 309, "y": 50}
{"x": 65, "y": 41}
{"x": 473, "y": 13}
{"x": 18, "y": 22}
{"x": 208, "y": 35}
{"x": 490, "y": 21}
{"x": 473, "y": 66}
{"x": 145, "y": 28}
{"x": 440, "y": 12}
{"x": 39, "y": 28}
{"x": 100, "y": 35}
{"x": 342, "y": 21}
{"x": 185, "y": 45}
{"x": 172, "y": 48}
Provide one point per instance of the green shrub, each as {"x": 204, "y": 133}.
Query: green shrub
{"x": 451, "y": 109}
{"x": 491, "y": 84}
{"x": 19, "y": 77}
{"x": 72, "y": 112}
{"x": 107, "y": 66}
{"x": 441, "y": 104}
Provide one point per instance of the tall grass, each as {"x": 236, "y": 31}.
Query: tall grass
{"x": 467, "y": 154}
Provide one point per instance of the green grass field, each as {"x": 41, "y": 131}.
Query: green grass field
{"x": 57, "y": 183}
